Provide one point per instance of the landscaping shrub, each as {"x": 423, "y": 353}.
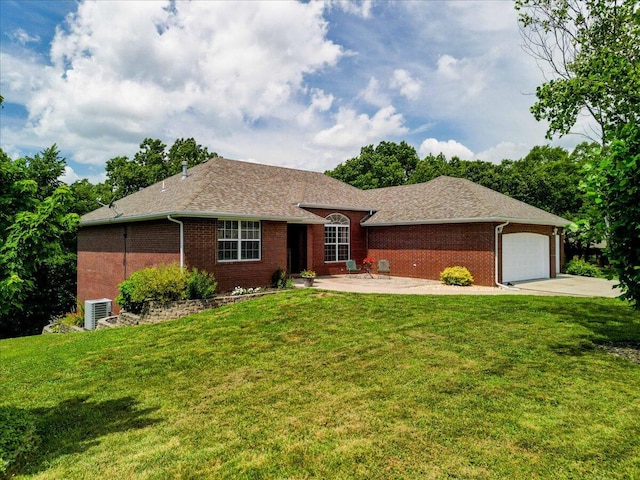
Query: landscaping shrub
{"x": 280, "y": 279}
{"x": 456, "y": 276}
{"x": 200, "y": 284}
{"x": 578, "y": 266}
{"x": 125, "y": 298}
{"x": 164, "y": 283}
{"x": 18, "y": 439}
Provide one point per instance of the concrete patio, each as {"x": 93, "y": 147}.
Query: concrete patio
{"x": 564, "y": 285}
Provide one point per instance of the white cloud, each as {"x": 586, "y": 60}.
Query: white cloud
{"x": 465, "y": 76}
{"x": 373, "y": 94}
{"x": 225, "y": 63}
{"x": 353, "y": 130}
{"x": 360, "y": 8}
{"x": 69, "y": 176}
{"x": 449, "y": 148}
{"x": 446, "y": 67}
{"x": 22, "y": 37}
{"x": 408, "y": 87}
{"x": 504, "y": 150}
{"x": 320, "y": 102}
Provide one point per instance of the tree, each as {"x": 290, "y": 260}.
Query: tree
{"x": 387, "y": 165}
{"x": 37, "y": 243}
{"x": 593, "y": 49}
{"x": 152, "y": 164}
{"x": 614, "y": 184}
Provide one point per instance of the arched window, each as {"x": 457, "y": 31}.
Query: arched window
{"x": 336, "y": 238}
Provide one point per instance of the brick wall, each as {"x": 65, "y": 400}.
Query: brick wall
{"x": 315, "y": 242}
{"x": 200, "y": 251}
{"x": 103, "y": 263}
{"x": 109, "y": 254}
{"x": 423, "y": 251}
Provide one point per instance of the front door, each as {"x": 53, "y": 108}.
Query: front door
{"x": 296, "y": 248}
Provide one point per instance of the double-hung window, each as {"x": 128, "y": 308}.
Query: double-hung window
{"x": 238, "y": 240}
{"x": 336, "y": 238}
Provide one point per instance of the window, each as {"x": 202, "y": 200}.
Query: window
{"x": 336, "y": 238}
{"x": 238, "y": 240}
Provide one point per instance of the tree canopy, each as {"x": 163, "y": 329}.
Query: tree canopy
{"x": 387, "y": 165}
{"x": 152, "y": 163}
{"x": 37, "y": 242}
{"x": 593, "y": 49}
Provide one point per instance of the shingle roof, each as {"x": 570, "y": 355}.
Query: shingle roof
{"x": 228, "y": 188}
{"x": 451, "y": 200}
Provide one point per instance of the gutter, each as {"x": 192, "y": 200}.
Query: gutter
{"x": 438, "y": 221}
{"x": 234, "y": 216}
{"x": 181, "y": 239}
{"x": 499, "y": 229}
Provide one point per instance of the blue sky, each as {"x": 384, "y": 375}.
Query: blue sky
{"x": 303, "y": 85}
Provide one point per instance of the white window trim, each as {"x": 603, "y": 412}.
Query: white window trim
{"x": 239, "y": 241}
{"x": 338, "y": 220}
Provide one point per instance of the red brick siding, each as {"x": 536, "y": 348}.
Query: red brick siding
{"x": 200, "y": 251}
{"x": 101, "y": 254}
{"x": 423, "y": 251}
{"x": 315, "y": 242}
{"x": 102, "y": 263}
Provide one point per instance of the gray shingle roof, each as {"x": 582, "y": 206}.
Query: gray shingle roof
{"x": 230, "y": 188}
{"x": 451, "y": 200}
{"x": 233, "y": 189}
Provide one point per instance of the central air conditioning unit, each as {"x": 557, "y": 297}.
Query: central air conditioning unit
{"x": 94, "y": 310}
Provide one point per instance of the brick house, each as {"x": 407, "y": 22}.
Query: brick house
{"x": 242, "y": 221}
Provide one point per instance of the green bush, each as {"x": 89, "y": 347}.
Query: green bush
{"x": 125, "y": 299}
{"x": 280, "y": 279}
{"x": 578, "y": 266}
{"x": 200, "y": 284}
{"x": 18, "y": 439}
{"x": 164, "y": 283}
{"x": 456, "y": 276}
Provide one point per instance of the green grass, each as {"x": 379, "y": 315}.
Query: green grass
{"x": 311, "y": 384}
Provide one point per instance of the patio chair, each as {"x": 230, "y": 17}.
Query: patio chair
{"x": 352, "y": 269}
{"x": 384, "y": 268}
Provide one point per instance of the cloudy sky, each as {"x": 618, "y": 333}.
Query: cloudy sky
{"x": 303, "y": 85}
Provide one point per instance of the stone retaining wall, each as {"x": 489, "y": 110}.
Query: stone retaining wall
{"x": 156, "y": 312}
{"x": 159, "y": 312}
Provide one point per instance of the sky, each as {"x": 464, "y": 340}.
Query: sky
{"x": 301, "y": 85}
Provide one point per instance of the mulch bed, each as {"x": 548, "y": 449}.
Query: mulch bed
{"x": 628, "y": 350}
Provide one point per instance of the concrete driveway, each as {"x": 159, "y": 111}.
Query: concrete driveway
{"x": 570, "y": 285}
{"x": 566, "y": 285}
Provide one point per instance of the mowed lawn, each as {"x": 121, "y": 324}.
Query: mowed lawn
{"x": 312, "y": 384}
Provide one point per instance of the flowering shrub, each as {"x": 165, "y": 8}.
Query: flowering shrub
{"x": 245, "y": 291}
{"x": 307, "y": 274}
{"x": 456, "y": 276}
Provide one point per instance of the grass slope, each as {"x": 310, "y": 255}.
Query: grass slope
{"x": 311, "y": 384}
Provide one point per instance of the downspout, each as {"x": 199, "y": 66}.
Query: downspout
{"x": 181, "y": 238}
{"x": 498, "y": 232}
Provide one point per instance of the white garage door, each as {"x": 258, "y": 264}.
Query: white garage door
{"x": 525, "y": 256}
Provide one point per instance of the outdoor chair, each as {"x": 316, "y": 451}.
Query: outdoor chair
{"x": 384, "y": 268}
{"x": 352, "y": 269}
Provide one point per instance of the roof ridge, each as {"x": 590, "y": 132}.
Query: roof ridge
{"x": 201, "y": 184}
{"x": 490, "y": 207}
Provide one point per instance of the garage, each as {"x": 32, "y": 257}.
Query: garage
{"x": 525, "y": 256}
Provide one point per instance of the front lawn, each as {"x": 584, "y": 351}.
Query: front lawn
{"x": 312, "y": 384}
